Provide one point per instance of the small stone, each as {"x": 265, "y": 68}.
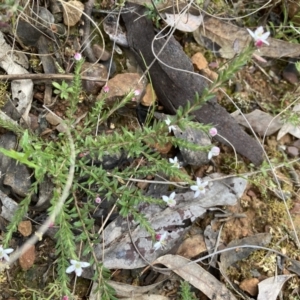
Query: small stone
{"x": 150, "y": 97}
{"x": 290, "y": 72}
{"x": 93, "y": 70}
{"x": 27, "y": 259}
{"x": 292, "y": 151}
{"x": 53, "y": 119}
{"x": 192, "y": 246}
{"x": 199, "y": 61}
{"x": 25, "y": 228}
{"x": 100, "y": 53}
{"x": 250, "y": 286}
{"x": 120, "y": 85}
{"x": 297, "y": 144}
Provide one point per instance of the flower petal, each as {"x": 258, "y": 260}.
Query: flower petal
{"x": 165, "y": 198}
{"x": 259, "y": 31}
{"x": 70, "y": 269}
{"x": 157, "y": 245}
{"x": 84, "y": 264}
{"x": 197, "y": 193}
{"x": 73, "y": 261}
{"x": 194, "y": 187}
{"x": 78, "y": 271}
{"x": 251, "y": 33}
{"x": 9, "y": 250}
{"x": 172, "y": 196}
{"x": 265, "y": 35}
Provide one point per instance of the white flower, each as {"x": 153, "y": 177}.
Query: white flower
{"x": 214, "y": 151}
{"x": 199, "y": 188}
{"x": 259, "y": 36}
{"x": 170, "y": 200}
{"x": 77, "y": 267}
{"x": 175, "y": 162}
{"x": 4, "y": 252}
{"x": 161, "y": 243}
{"x": 171, "y": 127}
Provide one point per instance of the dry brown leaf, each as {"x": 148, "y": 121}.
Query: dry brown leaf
{"x": 196, "y": 276}
{"x": 271, "y": 287}
{"x": 72, "y": 12}
{"x": 250, "y": 286}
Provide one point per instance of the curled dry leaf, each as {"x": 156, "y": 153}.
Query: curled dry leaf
{"x": 196, "y": 276}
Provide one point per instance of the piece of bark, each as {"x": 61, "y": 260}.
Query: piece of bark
{"x": 175, "y": 88}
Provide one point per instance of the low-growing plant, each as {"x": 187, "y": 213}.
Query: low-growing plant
{"x": 185, "y": 291}
{"x": 63, "y": 89}
{"x": 73, "y": 162}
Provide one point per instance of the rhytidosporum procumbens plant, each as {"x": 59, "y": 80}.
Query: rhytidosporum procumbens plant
{"x": 73, "y": 162}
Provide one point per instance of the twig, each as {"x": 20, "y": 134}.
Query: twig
{"x": 47, "y": 77}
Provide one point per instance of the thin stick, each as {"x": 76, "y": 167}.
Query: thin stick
{"x": 47, "y": 77}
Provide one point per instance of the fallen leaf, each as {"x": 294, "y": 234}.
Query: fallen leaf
{"x": 261, "y": 122}
{"x": 72, "y": 12}
{"x": 127, "y": 290}
{"x": 224, "y": 35}
{"x": 250, "y": 285}
{"x": 228, "y": 258}
{"x": 196, "y": 276}
{"x": 290, "y": 128}
{"x": 184, "y": 22}
{"x": 271, "y": 287}
{"x": 22, "y": 90}
{"x": 119, "y": 251}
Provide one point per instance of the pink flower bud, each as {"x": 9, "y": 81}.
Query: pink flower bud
{"x": 106, "y": 89}
{"x": 213, "y": 131}
{"x": 77, "y": 56}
